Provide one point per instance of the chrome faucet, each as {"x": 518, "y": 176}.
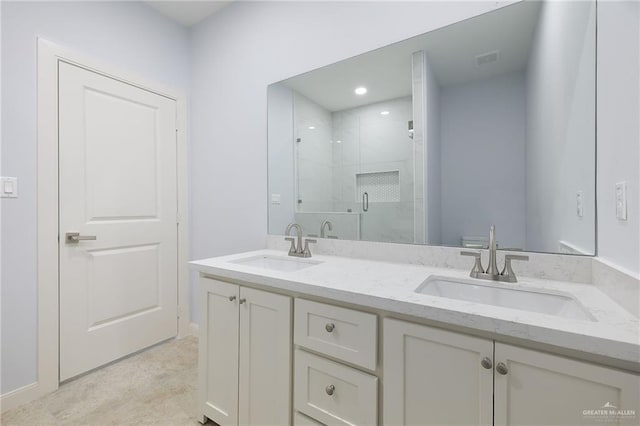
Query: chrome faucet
{"x": 327, "y": 224}
{"x": 296, "y": 243}
{"x": 491, "y": 273}
{"x": 492, "y": 269}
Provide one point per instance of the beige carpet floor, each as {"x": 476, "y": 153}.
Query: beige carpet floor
{"x": 157, "y": 386}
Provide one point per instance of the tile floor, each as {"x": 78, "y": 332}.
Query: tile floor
{"x": 156, "y": 386}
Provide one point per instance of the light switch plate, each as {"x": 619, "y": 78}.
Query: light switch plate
{"x": 580, "y": 203}
{"x": 621, "y": 200}
{"x": 275, "y": 198}
{"x": 8, "y": 187}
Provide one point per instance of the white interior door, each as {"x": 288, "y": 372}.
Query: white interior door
{"x": 117, "y": 161}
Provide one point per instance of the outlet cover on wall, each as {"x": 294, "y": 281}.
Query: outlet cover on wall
{"x": 9, "y": 187}
{"x": 621, "y": 200}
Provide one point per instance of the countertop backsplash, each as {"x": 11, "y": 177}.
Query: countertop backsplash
{"x": 621, "y": 286}
{"x": 557, "y": 267}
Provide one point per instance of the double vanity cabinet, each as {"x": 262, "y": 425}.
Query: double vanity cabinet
{"x": 278, "y": 357}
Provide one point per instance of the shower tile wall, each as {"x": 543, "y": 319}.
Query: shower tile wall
{"x": 334, "y": 148}
{"x": 314, "y": 160}
{"x": 370, "y": 142}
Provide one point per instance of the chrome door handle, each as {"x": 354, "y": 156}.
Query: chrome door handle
{"x": 502, "y": 368}
{"x": 75, "y": 237}
{"x": 365, "y": 201}
{"x": 330, "y": 390}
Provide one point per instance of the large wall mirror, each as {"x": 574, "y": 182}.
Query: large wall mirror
{"x": 431, "y": 140}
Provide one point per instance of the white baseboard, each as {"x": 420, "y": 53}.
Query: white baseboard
{"x": 193, "y": 329}
{"x": 20, "y": 396}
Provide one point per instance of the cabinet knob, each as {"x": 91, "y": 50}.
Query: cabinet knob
{"x": 330, "y": 390}
{"x": 329, "y": 327}
{"x": 241, "y": 301}
{"x": 486, "y": 362}
{"x": 502, "y": 368}
{"x": 232, "y": 298}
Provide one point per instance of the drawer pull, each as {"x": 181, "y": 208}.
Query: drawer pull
{"x": 232, "y": 298}
{"x": 329, "y": 327}
{"x": 486, "y": 362}
{"x": 502, "y": 368}
{"x": 243, "y": 300}
{"x": 330, "y": 390}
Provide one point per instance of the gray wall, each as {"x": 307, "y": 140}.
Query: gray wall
{"x": 619, "y": 131}
{"x": 560, "y": 135}
{"x": 433, "y": 157}
{"x": 127, "y": 35}
{"x": 483, "y": 139}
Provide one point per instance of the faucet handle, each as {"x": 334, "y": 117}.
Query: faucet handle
{"x": 507, "y": 273}
{"x": 307, "y": 252}
{"x": 292, "y": 240}
{"x": 477, "y": 266}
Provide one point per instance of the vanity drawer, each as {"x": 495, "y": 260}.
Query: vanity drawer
{"x": 300, "y": 419}
{"x": 334, "y": 393}
{"x": 338, "y": 332}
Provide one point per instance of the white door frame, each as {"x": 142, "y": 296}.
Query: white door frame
{"x": 49, "y": 55}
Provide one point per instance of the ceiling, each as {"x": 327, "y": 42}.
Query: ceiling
{"x": 451, "y": 52}
{"x": 187, "y": 12}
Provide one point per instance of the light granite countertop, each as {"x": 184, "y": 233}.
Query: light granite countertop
{"x": 613, "y": 338}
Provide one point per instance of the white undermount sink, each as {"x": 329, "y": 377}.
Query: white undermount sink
{"x": 540, "y": 301}
{"x": 277, "y": 263}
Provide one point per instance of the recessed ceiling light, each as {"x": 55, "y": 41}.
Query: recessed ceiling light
{"x": 360, "y": 90}
{"x": 384, "y": 113}
{"x": 312, "y": 127}
{"x": 338, "y": 141}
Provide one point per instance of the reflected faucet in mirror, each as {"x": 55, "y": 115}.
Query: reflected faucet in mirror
{"x": 296, "y": 243}
{"x": 491, "y": 273}
{"x": 327, "y": 224}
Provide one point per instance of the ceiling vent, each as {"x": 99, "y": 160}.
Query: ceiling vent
{"x": 487, "y": 58}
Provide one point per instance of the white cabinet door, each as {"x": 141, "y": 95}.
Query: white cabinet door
{"x": 435, "y": 377}
{"x": 117, "y": 155}
{"x": 542, "y": 389}
{"x": 218, "y": 356}
{"x": 265, "y": 358}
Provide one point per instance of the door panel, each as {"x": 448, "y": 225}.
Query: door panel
{"x": 132, "y": 271}
{"x": 545, "y": 390}
{"x": 265, "y": 358}
{"x": 435, "y": 377}
{"x": 117, "y": 154}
